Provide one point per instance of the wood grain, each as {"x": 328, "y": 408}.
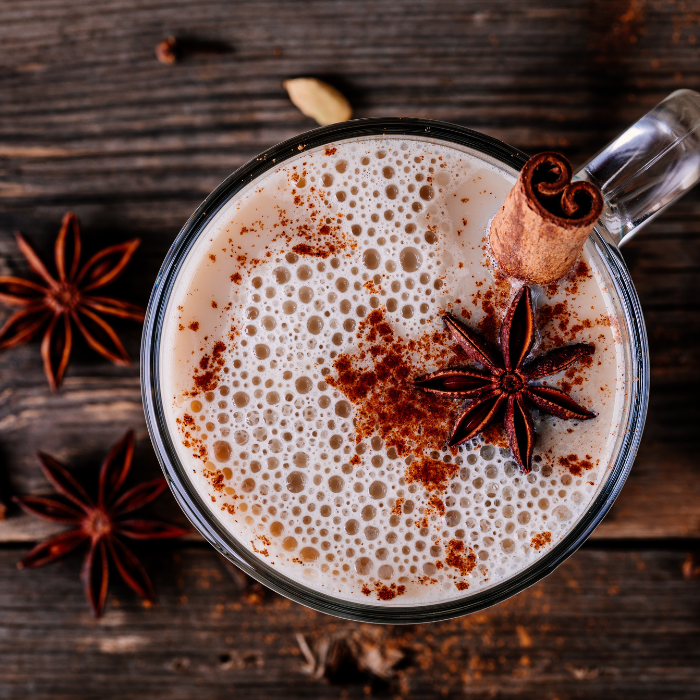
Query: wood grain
{"x": 605, "y": 624}
{"x": 90, "y": 121}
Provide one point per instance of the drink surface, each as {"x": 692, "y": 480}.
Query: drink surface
{"x": 297, "y": 323}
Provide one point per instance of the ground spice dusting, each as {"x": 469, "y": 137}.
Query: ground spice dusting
{"x": 490, "y": 324}
{"x": 264, "y": 552}
{"x": 541, "y": 540}
{"x": 436, "y": 505}
{"x": 493, "y": 302}
{"x": 575, "y": 465}
{"x": 377, "y": 380}
{"x": 210, "y": 365}
{"x": 371, "y": 287}
{"x": 495, "y": 435}
{"x": 396, "y": 510}
{"x": 383, "y": 591}
{"x": 455, "y": 556}
{"x": 574, "y": 375}
{"x": 215, "y": 477}
{"x": 432, "y": 473}
{"x": 557, "y": 323}
{"x": 325, "y": 252}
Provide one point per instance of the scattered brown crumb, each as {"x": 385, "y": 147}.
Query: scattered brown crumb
{"x": 264, "y": 552}
{"x": 305, "y": 249}
{"x": 167, "y": 51}
{"x": 575, "y": 465}
{"x": 383, "y": 591}
{"x": 431, "y": 473}
{"x": 456, "y": 557}
{"x": 210, "y": 365}
{"x": 216, "y": 479}
{"x": 541, "y": 540}
{"x": 436, "y": 505}
{"x": 377, "y": 380}
{"x": 194, "y": 326}
{"x": 396, "y": 510}
{"x": 370, "y": 286}
{"x": 691, "y": 567}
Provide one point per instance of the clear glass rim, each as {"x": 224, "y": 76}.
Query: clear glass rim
{"x": 192, "y": 504}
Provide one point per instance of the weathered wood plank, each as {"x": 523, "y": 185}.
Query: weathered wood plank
{"x": 88, "y": 111}
{"x": 605, "y": 624}
{"x": 90, "y": 120}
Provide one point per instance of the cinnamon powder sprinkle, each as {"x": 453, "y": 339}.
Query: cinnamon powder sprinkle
{"x": 210, "y": 365}
{"x": 383, "y": 591}
{"x": 305, "y": 249}
{"x": 575, "y": 465}
{"x": 457, "y": 558}
{"x": 215, "y": 477}
{"x": 436, "y": 505}
{"x": 264, "y": 552}
{"x": 396, "y": 510}
{"x": 377, "y": 379}
{"x": 432, "y": 473}
{"x": 541, "y": 540}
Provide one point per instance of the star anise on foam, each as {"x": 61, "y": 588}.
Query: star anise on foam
{"x": 507, "y": 385}
{"x": 102, "y": 524}
{"x": 66, "y": 299}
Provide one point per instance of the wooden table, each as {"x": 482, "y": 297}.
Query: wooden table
{"x": 90, "y": 121}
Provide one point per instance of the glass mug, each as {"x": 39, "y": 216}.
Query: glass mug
{"x": 645, "y": 169}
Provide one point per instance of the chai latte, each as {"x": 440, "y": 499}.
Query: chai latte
{"x": 298, "y": 321}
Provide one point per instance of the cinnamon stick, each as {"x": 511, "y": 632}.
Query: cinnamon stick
{"x": 540, "y": 230}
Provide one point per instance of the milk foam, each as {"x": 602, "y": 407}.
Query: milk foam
{"x": 272, "y": 447}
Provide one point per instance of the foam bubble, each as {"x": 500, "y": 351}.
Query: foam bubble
{"x": 303, "y": 486}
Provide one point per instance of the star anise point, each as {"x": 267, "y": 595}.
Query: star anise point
{"x": 102, "y": 523}
{"x": 506, "y": 384}
{"x": 57, "y": 303}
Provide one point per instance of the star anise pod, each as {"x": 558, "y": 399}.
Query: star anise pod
{"x": 67, "y": 298}
{"x": 101, "y": 524}
{"x": 507, "y": 385}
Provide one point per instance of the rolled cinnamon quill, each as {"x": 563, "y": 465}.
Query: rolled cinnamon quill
{"x": 540, "y": 230}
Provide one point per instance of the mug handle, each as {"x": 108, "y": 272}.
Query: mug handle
{"x": 647, "y": 167}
